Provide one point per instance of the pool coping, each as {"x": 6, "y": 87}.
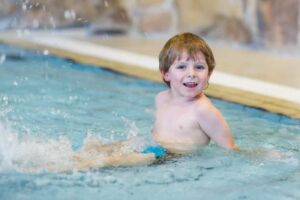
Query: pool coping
{"x": 268, "y": 96}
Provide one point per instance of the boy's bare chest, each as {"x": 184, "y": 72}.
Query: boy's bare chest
{"x": 181, "y": 121}
{"x": 177, "y": 121}
{"x": 178, "y": 126}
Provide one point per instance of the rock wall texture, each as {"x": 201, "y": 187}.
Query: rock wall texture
{"x": 266, "y": 23}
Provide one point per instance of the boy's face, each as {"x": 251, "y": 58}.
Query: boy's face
{"x": 188, "y": 77}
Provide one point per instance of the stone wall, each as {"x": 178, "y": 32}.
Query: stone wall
{"x": 279, "y": 22}
{"x": 265, "y": 23}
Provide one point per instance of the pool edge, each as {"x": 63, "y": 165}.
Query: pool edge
{"x": 249, "y": 98}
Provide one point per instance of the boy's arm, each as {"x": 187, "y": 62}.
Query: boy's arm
{"x": 214, "y": 125}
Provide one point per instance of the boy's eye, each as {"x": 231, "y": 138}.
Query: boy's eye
{"x": 180, "y": 66}
{"x": 199, "y": 67}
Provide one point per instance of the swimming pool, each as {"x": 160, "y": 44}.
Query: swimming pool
{"x": 49, "y": 105}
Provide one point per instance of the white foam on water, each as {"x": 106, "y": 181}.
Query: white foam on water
{"x": 32, "y": 154}
{"x": 7, "y": 147}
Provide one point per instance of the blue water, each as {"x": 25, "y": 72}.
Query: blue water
{"x": 49, "y": 105}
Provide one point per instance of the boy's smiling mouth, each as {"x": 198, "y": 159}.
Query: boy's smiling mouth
{"x": 190, "y": 84}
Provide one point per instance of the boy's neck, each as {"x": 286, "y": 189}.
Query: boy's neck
{"x": 181, "y": 100}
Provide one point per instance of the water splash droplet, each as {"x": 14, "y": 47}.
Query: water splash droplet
{"x": 24, "y": 7}
{"x": 46, "y": 52}
{"x": 69, "y": 14}
{"x": 2, "y": 58}
{"x": 5, "y": 99}
{"x": 35, "y": 24}
{"x": 52, "y": 22}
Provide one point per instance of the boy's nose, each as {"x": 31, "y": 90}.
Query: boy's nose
{"x": 191, "y": 72}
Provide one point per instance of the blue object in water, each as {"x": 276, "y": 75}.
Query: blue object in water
{"x": 157, "y": 150}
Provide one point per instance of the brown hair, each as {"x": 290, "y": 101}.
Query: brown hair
{"x": 180, "y": 43}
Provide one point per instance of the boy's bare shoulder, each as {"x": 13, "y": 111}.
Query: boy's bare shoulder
{"x": 205, "y": 108}
{"x": 162, "y": 96}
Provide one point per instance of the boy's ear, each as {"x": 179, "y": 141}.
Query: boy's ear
{"x": 165, "y": 75}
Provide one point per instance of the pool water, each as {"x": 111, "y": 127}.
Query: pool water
{"x": 49, "y": 105}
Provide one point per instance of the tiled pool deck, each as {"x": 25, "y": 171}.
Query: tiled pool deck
{"x": 261, "y": 79}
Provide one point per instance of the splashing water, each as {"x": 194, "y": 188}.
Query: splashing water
{"x": 31, "y": 154}
{"x": 8, "y": 141}
{"x": 2, "y": 58}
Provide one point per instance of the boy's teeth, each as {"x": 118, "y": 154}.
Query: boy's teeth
{"x": 190, "y": 85}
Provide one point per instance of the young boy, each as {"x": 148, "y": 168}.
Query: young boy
{"x": 185, "y": 118}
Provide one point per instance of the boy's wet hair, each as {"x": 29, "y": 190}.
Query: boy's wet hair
{"x": 184, "y": 42}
